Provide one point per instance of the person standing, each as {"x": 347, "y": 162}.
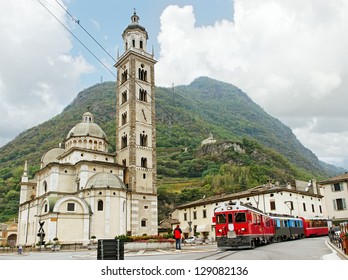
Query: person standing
{"x": 20, "y": 250}
{"x": 177, "y": 236}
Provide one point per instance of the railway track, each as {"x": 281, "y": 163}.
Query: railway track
{"x": 219, "y": 255}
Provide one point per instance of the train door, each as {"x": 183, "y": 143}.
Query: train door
{"x": 268, "y": 229}
{"x": 231, "y": 229}
{"x": 230, "y": 222}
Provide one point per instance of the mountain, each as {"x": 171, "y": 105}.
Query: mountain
{"x": 185, "y": 115}
{"x": 207, "y": 105}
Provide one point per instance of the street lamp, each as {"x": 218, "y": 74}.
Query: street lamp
{"x": 289, "y": 206}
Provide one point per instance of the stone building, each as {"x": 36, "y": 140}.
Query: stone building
{"x": 82, "y": 190}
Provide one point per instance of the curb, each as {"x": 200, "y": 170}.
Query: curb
{"x": 338, "y": 250}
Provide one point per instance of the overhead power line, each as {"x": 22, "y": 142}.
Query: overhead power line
{"x": 84, "y": 29}
{"x": 67, "y": 29}
{"x": 104, "y": 65}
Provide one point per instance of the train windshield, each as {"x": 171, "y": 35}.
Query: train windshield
{"x": 240, "y": 217}
{"x": 221, "y": 219}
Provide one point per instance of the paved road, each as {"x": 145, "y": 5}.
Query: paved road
{"x": 304, "y": 249}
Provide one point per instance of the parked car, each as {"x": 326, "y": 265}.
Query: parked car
{"x": 193, "y": 240}
{"x": 190, "y": 240}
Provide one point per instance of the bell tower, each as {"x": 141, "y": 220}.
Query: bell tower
{"x": 136, "y": 128}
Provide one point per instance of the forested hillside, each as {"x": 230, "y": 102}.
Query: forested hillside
{"x": 185, "y": 116}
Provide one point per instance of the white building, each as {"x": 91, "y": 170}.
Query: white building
{"x": 298, "y": 199}
{"x": 209, "y": 140}
{"x": 82, "y": 190}
{"x": 335, "y": 191}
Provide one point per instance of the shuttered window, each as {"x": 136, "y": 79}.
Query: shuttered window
{"x": 339, "y": 204}
{"x": 337, "y": 187}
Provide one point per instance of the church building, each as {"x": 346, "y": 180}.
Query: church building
{"x": 82, "y": 190}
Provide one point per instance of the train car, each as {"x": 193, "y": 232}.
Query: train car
{"x": 242, "y": 226}
{"x": 287, "y": 227}
{"x": 315, "y": 226}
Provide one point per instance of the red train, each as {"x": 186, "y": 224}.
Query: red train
{"x": 242, "y": 226}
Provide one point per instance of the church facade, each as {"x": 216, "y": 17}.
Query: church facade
{"x": 83, "y": 191}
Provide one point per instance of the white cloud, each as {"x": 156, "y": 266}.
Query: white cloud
{"x": 38, "y": 74}
{"x": 287, "y": 55}
{"x": 324, "y": 83}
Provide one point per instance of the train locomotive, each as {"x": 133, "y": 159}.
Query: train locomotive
{"x": 240, "y": 226}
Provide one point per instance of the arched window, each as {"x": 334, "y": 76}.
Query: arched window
{"x": 142, "y": 74}
{"x": 143, "y": 139}
{"x": 124, "y": 76}
{"x": 143, "y": 95}
{"x": 100, "y": 205}
{"x": 144, "y": 162}
{"x": 124, "y": 96}
{"x": 124, "y": 118}
{"x": 44, "y": 186}
{"x": 124, "y": 142}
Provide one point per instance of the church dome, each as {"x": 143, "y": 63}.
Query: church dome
{"x": 87, "y": 128}
{"x": 51, "y": 156}
{"x": 105, "y": 180}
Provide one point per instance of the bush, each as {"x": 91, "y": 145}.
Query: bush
{"x": 124, "y": 238}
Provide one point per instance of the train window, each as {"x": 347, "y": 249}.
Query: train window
{"x": 285, "y": 223}
{"x": 221, "y": 219}
{"x": 229, "y": 216}
{"x": 278, "y": 223}
{"x": 240, "y": 217}
{"x": 256, "y": 219}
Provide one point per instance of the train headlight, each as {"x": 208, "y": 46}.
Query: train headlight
{"x": 220, "y": 230}
{"x": 242, "y": 229}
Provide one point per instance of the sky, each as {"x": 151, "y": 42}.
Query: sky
{"x": 289, "y": 56}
